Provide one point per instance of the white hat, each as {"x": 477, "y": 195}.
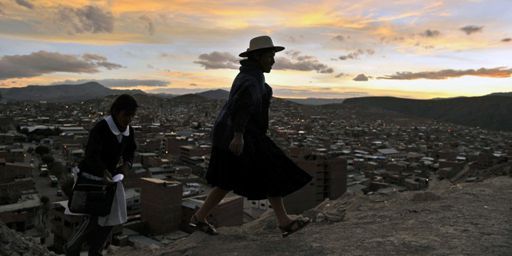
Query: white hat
{"x": 259, "y": 43}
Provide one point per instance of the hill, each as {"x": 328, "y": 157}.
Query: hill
{"x": 509, "y": 94}
{"x": 316, "y": 101}
{"x": 218, "y": 94}
{"x": 448, "y": 219}
{"x": 488, "y": 112}
{"x": 62, "y": 92}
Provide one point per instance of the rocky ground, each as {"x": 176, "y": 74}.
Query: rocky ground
{"x": 448, "y": 219}
{"x": 13, "y": 244}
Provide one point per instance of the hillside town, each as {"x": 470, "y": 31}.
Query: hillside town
{"x": 344, "y": 148}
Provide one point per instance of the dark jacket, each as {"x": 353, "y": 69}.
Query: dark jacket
{"x": 246, "y": 110}
{"x": 103, "y": 151}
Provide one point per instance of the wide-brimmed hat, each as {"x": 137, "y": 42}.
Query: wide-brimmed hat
{"x": 261, "y": 43}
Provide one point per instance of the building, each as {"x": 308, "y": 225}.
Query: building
{"x": 329, "y": 181}
{"x": 10, "y": 171}
{"x": 62, "y": 225}
{"x": 22, "y": 214}
{"x": 193, "y": 155}
{"x": 13, "y": 155}
{"x": 161, "y": 204}
{"x": 15, "y": 180}
{"x": 173, "y": 145}
{"x": 148, "y": 159}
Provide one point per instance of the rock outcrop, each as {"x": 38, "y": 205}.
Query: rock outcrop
{"x": 13, "y": 243}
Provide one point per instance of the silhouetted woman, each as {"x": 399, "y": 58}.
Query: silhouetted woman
{"x": 243, "y": 158}
{"x": 110, "y": 140}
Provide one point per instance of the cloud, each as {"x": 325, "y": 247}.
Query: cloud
{"x": 295, "y": 39}
{"x": 25, "y": 3}
{"x": 93, "y": 57}
{"x": 218, "y": 60}
{"x": 341, "y": 75}
{"x": 100, "y": 61}
{"x": 166, "y": 55}
{"x": 108, "y": 65}
{"x": 506, "y": 40}
{"x": 339, "y": 38}
{"x": 356, "y": 54}
{"x": 471, "y": 29}
{"x": 119, "y": 82}
{"x": 300, "y": 62}
{"x": 316, "y": 92}
{"x": 149, "y": 24}
{"x": 499, "y": 72}
{"x": 43, "y": 62}
{"x": 360, "y": 78}
{"x": 431, "y": 33}
{"x": 87, "y": 19}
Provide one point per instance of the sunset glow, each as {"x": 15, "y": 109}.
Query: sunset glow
{"x": 334, "y": 49}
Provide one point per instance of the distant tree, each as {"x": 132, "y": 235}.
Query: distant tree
{"x": 47, "y": 159}
{"x": 57, "y": 169}
{"x": 42, "y": 150}
{"x": 44, "y": 209}
{"x": 45, "y": 200}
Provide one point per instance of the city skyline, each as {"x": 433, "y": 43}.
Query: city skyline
{"x": 334, "y": 49}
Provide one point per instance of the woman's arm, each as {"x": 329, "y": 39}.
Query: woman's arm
{"x": 93, "y": 150}
{"x": 243, "y": 107}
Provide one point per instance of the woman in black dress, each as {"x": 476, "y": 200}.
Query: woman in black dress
{"x": 243, "y": 158}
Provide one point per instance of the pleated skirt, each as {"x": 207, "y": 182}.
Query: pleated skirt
{"x": 261, "y": 171}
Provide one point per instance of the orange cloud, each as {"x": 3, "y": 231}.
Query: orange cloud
{"x": 348, "y": 91}
{"x": 204, "y": 79}
{"x": 499, "y": 72}
{"x": 207, "y": 20}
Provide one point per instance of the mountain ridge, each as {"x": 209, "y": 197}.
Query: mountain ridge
{"x": 61, "y": 92}
{"x": 489, "y": 112}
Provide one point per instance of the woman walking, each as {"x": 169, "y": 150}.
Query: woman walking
{"x": 110, "y": 140}
{"x": 243, "y": 158}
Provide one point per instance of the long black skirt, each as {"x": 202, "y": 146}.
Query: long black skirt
{"x": 261, "y": 171}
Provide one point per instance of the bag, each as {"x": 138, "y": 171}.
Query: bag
{"x": 91, "y": 195}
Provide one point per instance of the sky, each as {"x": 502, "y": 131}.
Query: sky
{"x": 334, "y": 48}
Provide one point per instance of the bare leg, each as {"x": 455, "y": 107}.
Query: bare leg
{"x": 282, "y": 217}
{"x": 213, "y": 199}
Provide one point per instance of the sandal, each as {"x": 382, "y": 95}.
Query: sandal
{"x": 205, "y": 227}
{"x": 294, "y": 226}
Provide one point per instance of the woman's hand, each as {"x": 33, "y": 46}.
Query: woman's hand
{"x": 237, "y": 144}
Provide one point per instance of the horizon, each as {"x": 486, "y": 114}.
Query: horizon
{"x": 227, "y": 91}
{"x": 334, "y": 49}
